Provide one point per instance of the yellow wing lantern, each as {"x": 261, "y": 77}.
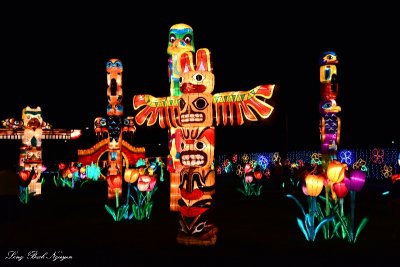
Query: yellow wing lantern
{"x": 194, "y": 117}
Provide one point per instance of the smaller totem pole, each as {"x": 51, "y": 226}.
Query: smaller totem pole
{"x": 330, "y": 123}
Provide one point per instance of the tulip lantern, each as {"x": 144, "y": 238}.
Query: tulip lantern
{"x": 356, "y": 180}
{"x": 341, "y": 192}
{"x": 314, "y": 184}
{"x": 354, "y": 183}
{"x": 335, "y": 171}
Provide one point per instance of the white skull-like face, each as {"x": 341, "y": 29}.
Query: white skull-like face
{"x": 196, "y": 110}
{"x": 197, "y": 146}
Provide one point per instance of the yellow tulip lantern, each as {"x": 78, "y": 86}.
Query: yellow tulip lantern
{"x": 335, "y": 171}
{"x": 314, "y": 184}
{"x": 130, "y": 176}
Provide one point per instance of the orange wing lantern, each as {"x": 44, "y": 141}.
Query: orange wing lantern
{"x": 112, "y": 132}
{"x": 31, "y": 130}
{"x": 193, "y": 115}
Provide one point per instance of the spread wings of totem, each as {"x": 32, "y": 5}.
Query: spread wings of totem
{"x": 229, "y": 107}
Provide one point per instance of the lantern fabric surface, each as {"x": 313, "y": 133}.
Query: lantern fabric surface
{"x": 340, "y": 189}
{"x": 335, "y": 171}
{"x": 356, "y": 180}
{"x": 314, "y": 184}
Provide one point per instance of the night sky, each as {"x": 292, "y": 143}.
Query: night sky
{"x": 56, "y": 60}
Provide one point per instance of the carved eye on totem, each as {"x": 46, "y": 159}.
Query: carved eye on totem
{"x": 198, "y": 145}
{"x": 103, "y": 122}
{"x": 182, "y": 104}
{"x": 187, "y": 38}
{"x": 327, "y": 105}
{"x": 119, "y": 107}
{"x": 198, "y": 77}
{"x": 172, "y": 38}
{"x": 118, "y": 64}
{"x": 200, "y": 103}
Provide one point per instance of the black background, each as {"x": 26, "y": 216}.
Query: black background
{"x": 55, "y": 58}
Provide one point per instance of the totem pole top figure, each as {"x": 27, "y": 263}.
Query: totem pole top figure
{"x": 114, "y": 90}
{"x": 328, "y": 75}
{"x": 180, "y": 41}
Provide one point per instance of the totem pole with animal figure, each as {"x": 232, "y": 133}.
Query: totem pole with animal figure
{"x": 31, "y": 130}
{"x": 113, "y": 127}
{"x": 114, "y": 133}
{"x": 330, "y": 122}
{"x": 192, "y": 114}
{"x": 181, "y": 39}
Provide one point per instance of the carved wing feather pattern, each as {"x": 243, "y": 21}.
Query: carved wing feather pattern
{"x": 165, "y": 109}
{"x": 236, "y": 105}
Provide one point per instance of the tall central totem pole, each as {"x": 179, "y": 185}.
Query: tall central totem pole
{"x": 192, "y": 115}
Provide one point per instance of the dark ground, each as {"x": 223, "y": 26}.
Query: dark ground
{"x": 258, "y": 231}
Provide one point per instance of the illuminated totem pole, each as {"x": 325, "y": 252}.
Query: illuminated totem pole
{"x": 193, "y": 115}
{"x": 113, "y": 133}
{"x": 113, "y": 127}
{"x": 180, "y": 41}
{"x": 329, "y": 123}
{"x": 32, "y": 129}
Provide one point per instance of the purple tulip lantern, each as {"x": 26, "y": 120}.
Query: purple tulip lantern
{"x": 354, "y": 183}
{"x": 356, "y": 180}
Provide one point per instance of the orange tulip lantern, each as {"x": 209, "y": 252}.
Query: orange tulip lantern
{"x": 114, "y": 186}
{"x": 131, "y": 175}
{"x": 335, "y": 171}
{"x": 314, "y": 184}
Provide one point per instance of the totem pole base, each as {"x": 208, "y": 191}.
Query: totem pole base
{"x": 205, "y": 239}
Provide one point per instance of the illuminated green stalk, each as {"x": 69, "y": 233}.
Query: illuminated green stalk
{"x": 313, "y": 202}
{"x": 352, "y": 210}
{"x": 26, "y": 194}
{"x": 116, "y": 198}
{"x": 341, "y": 201}
{"x": 327, "y": 207}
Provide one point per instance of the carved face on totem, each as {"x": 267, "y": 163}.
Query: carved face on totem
{"x": 32, "y": 117}
{"x": 180, "y": 39}
{"x": 196, "y": 85}
{"x": 197, "y": 146}
{"x": 114, "y": 90}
